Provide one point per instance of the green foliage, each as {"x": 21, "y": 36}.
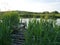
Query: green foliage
{"x": 8, "y": 20}
{"x": 55, "y": 12}
{"x": 26, "y": 14}
{"x": 43, "y": 32}
{"x": 13, "y": 16}
{"x": 46, "y": 12}
{"x": 4, "y": 34}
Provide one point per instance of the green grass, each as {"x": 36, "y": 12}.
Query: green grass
{"x": 41, "y": 32}
{"x": 6, "y": 27}
{"x": 5, "y": 32}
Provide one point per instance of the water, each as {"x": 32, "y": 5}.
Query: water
{"x": 26, "y": 20}
{"x": 58, "y": 21}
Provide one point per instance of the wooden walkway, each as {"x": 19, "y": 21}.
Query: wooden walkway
{"x": 18, "y": 34}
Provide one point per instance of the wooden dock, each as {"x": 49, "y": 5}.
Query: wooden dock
{"x": 18, "y": 34}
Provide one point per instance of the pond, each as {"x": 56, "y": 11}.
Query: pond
{"x": 26, "y": 20}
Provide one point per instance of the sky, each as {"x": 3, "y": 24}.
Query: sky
{"x": 30, "y": 5}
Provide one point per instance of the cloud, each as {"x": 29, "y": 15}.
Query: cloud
{"x": 43, "y": 1}
{"x": 27, "y": 5}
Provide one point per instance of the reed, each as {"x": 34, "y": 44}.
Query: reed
{"x": 6, "y": 27}
{"x": 43, "y": 32}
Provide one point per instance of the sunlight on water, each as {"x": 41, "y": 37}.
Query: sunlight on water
{"x": 26, "y": 20}
{"x": 58, "y": 22}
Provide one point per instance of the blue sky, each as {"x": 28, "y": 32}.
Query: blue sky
{"x": 30, "y": 5}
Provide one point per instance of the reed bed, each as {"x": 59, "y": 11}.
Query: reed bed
{"x": 42, "y": 32}
{"x": 6, "y": 27}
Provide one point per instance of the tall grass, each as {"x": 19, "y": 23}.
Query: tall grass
{"x": 8, "y": 19}
{"x": 43, "y": 32}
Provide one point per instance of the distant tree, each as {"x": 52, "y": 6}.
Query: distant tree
{"x": 46, "y": 12}
{"x": 55, "y": 12}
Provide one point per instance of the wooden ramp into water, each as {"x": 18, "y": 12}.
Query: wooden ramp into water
{"x": 18, "y": 34}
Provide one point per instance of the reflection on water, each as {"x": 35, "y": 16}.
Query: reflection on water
{"x": 58, "y": 21}
{"x": 26, "y": 20}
